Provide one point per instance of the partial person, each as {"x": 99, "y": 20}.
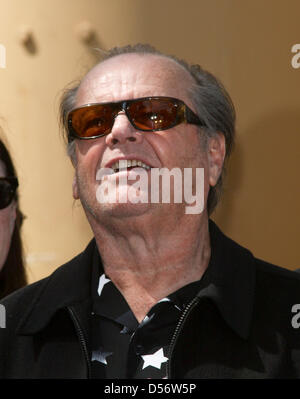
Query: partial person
{"x": 159, "y": 292}
{"x": 12, "y": 268}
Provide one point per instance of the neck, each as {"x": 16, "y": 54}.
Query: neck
{"x": 147, "y": 264}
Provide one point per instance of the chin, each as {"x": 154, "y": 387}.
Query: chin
{"x": 123, "y": 210}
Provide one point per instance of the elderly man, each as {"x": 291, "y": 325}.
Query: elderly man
{"x": 159, "y": 292}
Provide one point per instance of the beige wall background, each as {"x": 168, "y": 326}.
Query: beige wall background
{"x": 247, "y": 44}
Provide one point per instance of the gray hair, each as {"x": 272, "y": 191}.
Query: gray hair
{"x": 211, "y": 100}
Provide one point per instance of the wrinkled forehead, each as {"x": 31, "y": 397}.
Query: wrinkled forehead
{"x": 134, "y": 75}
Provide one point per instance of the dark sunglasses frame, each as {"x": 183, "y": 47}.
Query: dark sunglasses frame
{"x": 183, "y": 114}
{"x": 13, "y": 183}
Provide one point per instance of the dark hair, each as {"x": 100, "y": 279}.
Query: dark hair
{"x": 210, "y": 98}
{"x": 13, "y": 274}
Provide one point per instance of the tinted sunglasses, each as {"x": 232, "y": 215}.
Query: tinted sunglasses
{"x": 8, "y": 186}
{"x": 147, "y": 114}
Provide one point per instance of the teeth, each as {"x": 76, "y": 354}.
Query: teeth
{"x": 145, "y": 166}
{"x": 122, "y": 164}
{"x": 127, "y": 163}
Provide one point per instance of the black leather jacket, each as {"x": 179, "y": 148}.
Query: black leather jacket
{"x": 239, "y": 326}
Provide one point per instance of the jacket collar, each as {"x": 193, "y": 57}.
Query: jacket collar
{"x": 231, "y": 285}
{"x": 231, "y": 281}
{"x": 69, "y": 285}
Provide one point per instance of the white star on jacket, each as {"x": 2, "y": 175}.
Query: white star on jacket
{"x": 168, "y": 300}
{"x": 154, "y": 360}
{"x": 100, "y": 356}
{"x": 102, "y": 282}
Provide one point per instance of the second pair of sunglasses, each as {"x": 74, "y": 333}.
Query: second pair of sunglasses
{"x": 147, "y": 114}
{"x": 8, "y": 186}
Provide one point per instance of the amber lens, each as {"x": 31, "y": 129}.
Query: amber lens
{"x": 94, "y": 120}
{"x": 153, "y": 114}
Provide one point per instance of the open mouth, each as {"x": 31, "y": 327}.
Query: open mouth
{"x": 128, "y": 164}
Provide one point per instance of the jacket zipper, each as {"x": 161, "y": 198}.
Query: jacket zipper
{"x": 178, "y": 329}
{"x": 82, "y": 340}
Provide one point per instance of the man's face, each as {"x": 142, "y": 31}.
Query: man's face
{"x": 128, "y": 77}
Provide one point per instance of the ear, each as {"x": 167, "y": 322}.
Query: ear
{"x": 75, "y": 188}
{"x": 216, "y": 155}
{"x": 73, "y": 159}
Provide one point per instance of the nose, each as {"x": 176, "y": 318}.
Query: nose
{"x": 123, "y": 131}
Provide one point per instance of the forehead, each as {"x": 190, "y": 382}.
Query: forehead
{"x": 134, "y": 75}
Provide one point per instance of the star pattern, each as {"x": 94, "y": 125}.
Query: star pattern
{"x": 169, "y": 300}
{"x": 146, "y": 320}
{"x": 102, "y": 281}
{"x": 125, "y": 330}
{"x": 100, "y": 356}
{"x": 164, "y": 300}
{"x": 123, "y": 347}
{"x": 154, "y": 360}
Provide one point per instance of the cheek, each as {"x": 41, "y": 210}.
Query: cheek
{"x": 180, "y": 147}
{"x": 89, "y": 155}
{"x": 168, "y": 147}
